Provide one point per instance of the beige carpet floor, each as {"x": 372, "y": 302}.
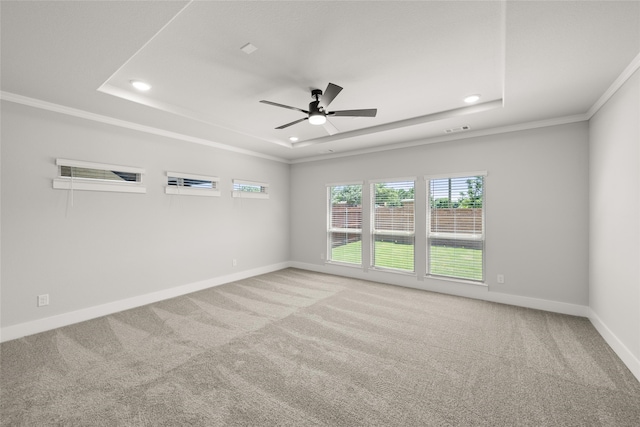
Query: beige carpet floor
{"x": 297, "y": 348}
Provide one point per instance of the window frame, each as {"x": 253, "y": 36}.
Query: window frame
{"x": 330, "y": 230}
{"x": 262, "y": 194}
{"x": 453, "y": 236}
{"x": 96, "y": 184}
{"x": 373, "y": 232}
{"x": 214, "y": 191}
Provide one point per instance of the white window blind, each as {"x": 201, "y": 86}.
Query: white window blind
{"x": 80, "y": 175}
{"x": 455, "y": 227}
{"x": 250, "y": 189}
{"x": 393, "y": 224}
{"x": 345, "y": 223}
{"x": 192, "y": 185}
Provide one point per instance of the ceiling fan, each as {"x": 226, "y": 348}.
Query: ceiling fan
{"x": 317, "y": 113}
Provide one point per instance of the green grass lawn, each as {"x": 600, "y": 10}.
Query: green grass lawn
{"x": 456, "y": 262}
{"x": 445, "y": 261}
{"x": 393, "y": 255}
{"x": 387, "y": 254}
{"x": 351, "y": 252}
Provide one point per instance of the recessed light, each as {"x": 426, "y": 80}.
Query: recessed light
{"x": 471, "y": 99}
{"x": 293, "y": 138}
{"x": 140, "y": 85}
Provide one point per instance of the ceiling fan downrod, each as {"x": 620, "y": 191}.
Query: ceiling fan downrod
{"x": 317, "y": 116}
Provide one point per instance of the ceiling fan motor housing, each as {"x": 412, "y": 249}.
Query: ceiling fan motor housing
{"x": 316, "y": 94}
{"x": 317, "y": 114}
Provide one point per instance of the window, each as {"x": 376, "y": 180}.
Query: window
{"x": 455, "y": 226}
{"x": 79, "y": 175}
{"x": 250, "y": 189}
{"x": 393, "y": 225}
{"x": 192, "y": 185}
{"x": 345, "y": 223}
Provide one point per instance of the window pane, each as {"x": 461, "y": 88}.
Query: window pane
{"x": 456, "y": 259}
{"x": 191, "y": 183}
{"x": 393, "y": 252}
{"x": 100, "y": 174}
{"x": 249, "y": 188}
{"x": 455, "y": 232}
{"x": 346, "y": 247}
{"x": 393, "y": 225}
{"x": 345, "y": 223}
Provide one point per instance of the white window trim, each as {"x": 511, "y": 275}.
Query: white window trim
{"x": 344, "y": 184}
{"x": 191, "y": 191}
{"x": 250, "y": 194}
{"x": 455, "y": 175}
{"x": 401, "y": 179}
{"x": 453, "y": 236}
{"x": 375, "y": 232}
{"x": 331, "y": 230}
{"x": 328, "y": 213}
{"x": 87, "y": 184}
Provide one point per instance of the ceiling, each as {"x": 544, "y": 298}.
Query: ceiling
{"x": 415, "y": 61}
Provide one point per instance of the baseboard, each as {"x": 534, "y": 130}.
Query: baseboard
{"x": 627, "y": 357}
{"x": 41, "y": 325}
{"x": 540, "y": 304}
{"x": 451, "y": 288}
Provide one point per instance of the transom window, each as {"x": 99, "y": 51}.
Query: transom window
{"x": 192, "y": 185}
{"x": 81, "y": 175}
{"x": 250, "y": 189}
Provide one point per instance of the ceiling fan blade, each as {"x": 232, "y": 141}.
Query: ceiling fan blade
{"x": 292, "y": 123}
{"x": 355, "y": 113}
{"x": 275, "y": 104}
{"x": 329, "y": 94}
{"x": 330, "y": 128}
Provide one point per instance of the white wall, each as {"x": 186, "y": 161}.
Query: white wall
{"x": 536, "y": 212}
{"x": 110, "y": 247}
{"x": 614, "y": 258}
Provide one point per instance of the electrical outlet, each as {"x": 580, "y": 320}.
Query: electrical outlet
{"x": 43, "y": 300}
{"x": 322, "y": 257}
{"x": 234, "y": 262}
{"x": 500, "y": 278}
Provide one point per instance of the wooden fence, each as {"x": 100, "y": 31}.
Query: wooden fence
{"x": 443, "y": 220}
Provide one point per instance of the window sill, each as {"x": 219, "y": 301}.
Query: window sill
{"x": 186, "y": 191}
{"x": 394, "y": 271}
{"x": 66, "y": 184}
{"x": 343, "y": 264}
{"x": 455, "y": 280}
{"x": 249, "y": 195}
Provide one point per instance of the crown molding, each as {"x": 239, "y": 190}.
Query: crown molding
{"x": 457, "y": 112}
{"x": 57, "y": 108}
{"x": 617, "y": 84}
{"x": 473, "y": 134}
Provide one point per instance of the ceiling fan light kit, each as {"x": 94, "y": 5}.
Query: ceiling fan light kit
{"x": 317, "y": 113}
{"x": 317, "y": 118}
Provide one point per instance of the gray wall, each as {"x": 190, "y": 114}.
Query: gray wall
{"x": 614, "y": 261}
{"x": 112, "y": 246}
{"x": 536, "y": 209}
